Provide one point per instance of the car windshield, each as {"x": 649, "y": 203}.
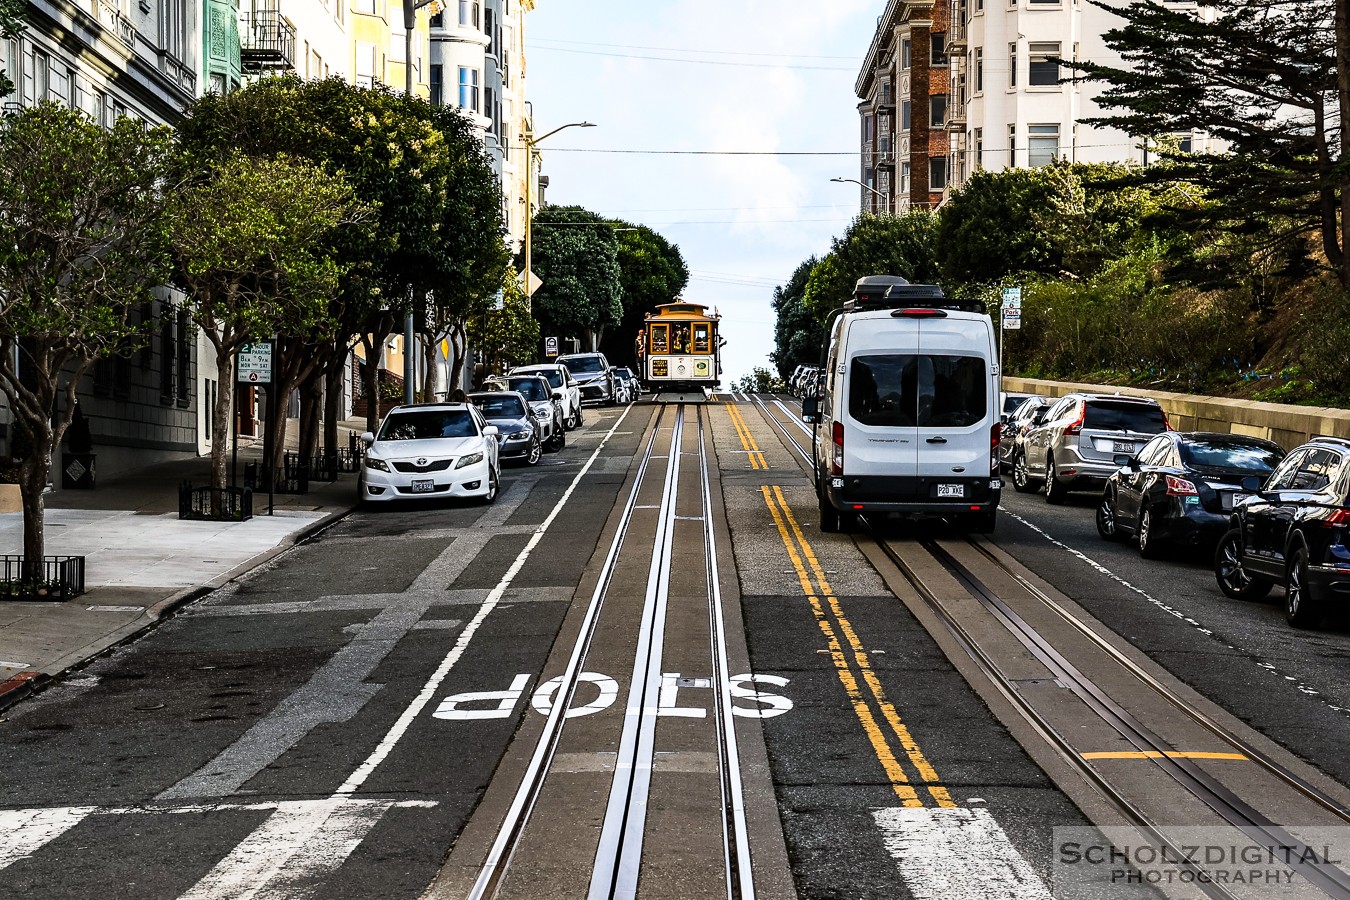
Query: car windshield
{"x": 1012, "y": 401}
{"x": 584, "y": 365}
{"x": 1259, "y": 459}
{"x": 553, "y": 376}
{"x": 530, "y": 388}
{"x": 1141, "y": 418}
{"x": 497, "y": 406}
{"x": 421, "y": 424}
{"x": 924, "y": 391}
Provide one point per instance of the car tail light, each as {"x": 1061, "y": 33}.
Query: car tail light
{"x": 837, "y": 461}
{"x": 1338, "y": 517}
{"x": 995, "y": 438}
{"x": 1180, "y": 487}
{"x": 1076, "y": 427}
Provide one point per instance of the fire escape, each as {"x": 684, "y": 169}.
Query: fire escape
{"x": 958, "y": 44}
{"x": 266, "y": 39}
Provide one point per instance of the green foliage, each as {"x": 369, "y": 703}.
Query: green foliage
{"x": 576, "y": 255}
{"x": 873, "y": 245}
{"x": 1322, "y": 338}
{"x": 797, "y": 332}
{"x": 652, "y": 271}
{"x": 508, "y": 336}
{"x": 11, "y": 26}
{"x": 759, "y": 381}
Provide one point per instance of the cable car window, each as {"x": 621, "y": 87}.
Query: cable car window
{"x": 660, "y": 338}
{"x": 701, "y": 341}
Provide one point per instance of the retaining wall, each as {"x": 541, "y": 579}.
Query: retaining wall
{"x": 1283, "y": 423}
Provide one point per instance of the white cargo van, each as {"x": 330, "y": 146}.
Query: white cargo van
{"x": 907, "y": 416}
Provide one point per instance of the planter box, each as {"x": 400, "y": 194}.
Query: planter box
{"x": 10, "y": 498}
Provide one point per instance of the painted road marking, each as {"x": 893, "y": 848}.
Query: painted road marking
{"x": 27, "y": 830}
{"x": 757, "y": 460}
{"x": 860, "y": 657}
{"x": 1159, "y": 754}
{"x": 945, "y": 853}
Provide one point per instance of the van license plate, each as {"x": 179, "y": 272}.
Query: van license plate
{"x": 951, "y": 490}
{"x": 1122, "y": 447}
{"x": 423, "y": 486}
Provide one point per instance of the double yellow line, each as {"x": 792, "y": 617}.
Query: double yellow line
{"x": 853, "y": 665}
{"x": 748, "y": 444}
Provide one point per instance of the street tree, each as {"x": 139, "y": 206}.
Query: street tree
{"x": 251, "y": 239}
{"x": 1270, "y": 81}
{"x": 508, "y": 336}
{"x": 797, "y": 333}
{"x": 82, "y": 243}
{"x": 577, "y": 258}
{"x": 652, "y": 271}
{"x": 873, "y": 245}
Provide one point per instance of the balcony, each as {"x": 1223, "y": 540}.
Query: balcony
{"x": 111, "y": 18}
{"x": 266, "y": 39}
{"x": 956, "y": 121}
{"x": 958, "y": 31}
{"x": 885, "y": 158}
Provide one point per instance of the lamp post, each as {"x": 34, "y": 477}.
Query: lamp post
{"x": 884, "y": 199}
{"x": 410, "y": 8}
{"x": 530, "y": 144}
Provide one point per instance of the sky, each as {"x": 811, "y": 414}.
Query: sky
{"x": 726, "y": 76}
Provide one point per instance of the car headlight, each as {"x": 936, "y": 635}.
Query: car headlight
{"x": 518, "y": 436}
{"x": 378, "y": 465}
{"x": 543, "y": 412}
{"x": 469, "y": 460}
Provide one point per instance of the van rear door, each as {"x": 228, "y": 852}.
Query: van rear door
{"x": 956, "y": 409}
{"x": 879, "y": 402}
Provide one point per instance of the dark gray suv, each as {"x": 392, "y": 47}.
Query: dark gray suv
{"x": 1074, "y": 446}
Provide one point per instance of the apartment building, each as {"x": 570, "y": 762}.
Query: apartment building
{"x": 1000, "y": 102}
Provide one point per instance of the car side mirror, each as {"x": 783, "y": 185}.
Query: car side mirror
{"x": 1252, "y": 484}
{"x": 490, "y": 431}
{"x": 811, "y": 410}
{"x": 367, "y": 438}
{"x": 558, "y": 393}
{"x": 1003, "y": 417}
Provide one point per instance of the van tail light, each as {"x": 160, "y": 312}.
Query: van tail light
{"x": 1076, "y": 427}
{"x": 995, "y": 438}
{"x": 837, "y": 460}
{"x": 1180, "y": 487}
{"x": 1338, "y": 518}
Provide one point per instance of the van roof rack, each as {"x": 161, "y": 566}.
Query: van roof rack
{"x": 893, "y": 292}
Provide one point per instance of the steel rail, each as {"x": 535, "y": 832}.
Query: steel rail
{"x": 735, "y": 833}
{"x": 532, "y": 782}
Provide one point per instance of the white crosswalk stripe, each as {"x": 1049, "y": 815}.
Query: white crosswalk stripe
{"x": 27, "y": 830}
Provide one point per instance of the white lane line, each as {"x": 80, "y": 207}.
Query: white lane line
{"x": 400, "y": 727}
{"x": 1264, "y": 666}
{"x": 945, "y": 853}
{"x": 25, "y": 831}
{"x": 299, "y": 841}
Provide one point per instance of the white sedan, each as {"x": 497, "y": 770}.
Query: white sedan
{"x": 431, "y": 450}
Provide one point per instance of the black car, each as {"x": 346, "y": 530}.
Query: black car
{"x": 1293, "y": 531}
{"x": 1181, "y": 488}
{"x": 517, "y": 434}
{"x": 1026, "y": 414}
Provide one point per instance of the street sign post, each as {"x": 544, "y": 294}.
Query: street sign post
{"x": 254, "y": 365}
{"x": 550, "y": 347}
{"x": 1010, "y": 319}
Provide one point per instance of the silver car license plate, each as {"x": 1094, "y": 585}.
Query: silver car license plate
{"x": 423, "y": 485}
{"x": 951, "y": 490}
{"x": 1122, "y": 447}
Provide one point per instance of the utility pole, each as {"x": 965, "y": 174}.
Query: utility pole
{"x": 410, "y": 8}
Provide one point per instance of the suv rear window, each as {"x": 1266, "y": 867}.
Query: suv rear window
{"x": 530, "y": 388}
{"x": 1141, "y": 418}
{"x": 923, "y": 391}
{"x": 583, "y": 364}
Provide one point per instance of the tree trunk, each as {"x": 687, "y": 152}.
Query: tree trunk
{"x": 33, "y": 478}
{"x": 332, "y": 398}
{"x": 311, "y": 401}
{"x": 430, "y": 350}
{"x": 222, "y": 428}
{"x": 370, "y": 376}
{"x": 454, "y": 367}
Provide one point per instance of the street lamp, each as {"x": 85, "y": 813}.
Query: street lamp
{"x": 530, "y": 144}
{"x": 884, "y": 199}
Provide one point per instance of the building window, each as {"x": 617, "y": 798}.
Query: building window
{"x": 979, "y": 148}
{"x": 1012, "y": 65}
{"x": 1184, "y": 143}
{"x": 490, "y": 29}
{"x": 184, "y": 380}
{"x": 468, "y": 13}
{"x": 884, "y": 142}
{"x": 365, "y": 65}
{"x": 904, "y": 115}
{"x": 437, "y": 85}
{"x": 886, "y": 98}
{"x": 365, "y": 7}
{"x": 438, "y": 20}
{"x": 868, "y": 123}
{"x": 979, "y": 5}
{"x": 904, "y": 53}
{"x": 937, "y": 173}
{"x": 168, "y": 355}
{"x": 938, "y": 56}
{"x": 468, "y": 88}
{"x": 1012, "y": 145}
{"x": 937, "y": 110}
{"x": 1042, "y": 144}
{"x": 979, "y": 70}
{"x": 1043, "y": 71}
{"x": 904, "y": 178}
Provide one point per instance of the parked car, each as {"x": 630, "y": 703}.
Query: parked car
{"x": 544, "y": 406}
{"x": 794, "y": 381}
{"x": 564, "y": 387}
{"x": 1011, "y": 401}
{"x": 805, "y": 382}
{"x": 1292, "y": 531}
{"x": 1075, "y": 445}
{"x": 594, "y": 375}
{"x": 1181, "y": 488}
{"x": 517, "y": 435}
{"x": 1026, "y": 415}
{"x": 632, "y": 388}
{"x": 428, "y": 451}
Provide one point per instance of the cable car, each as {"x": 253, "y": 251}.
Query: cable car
{"x": 679, "y": 348}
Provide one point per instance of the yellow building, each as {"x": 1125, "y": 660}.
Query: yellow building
{"x": 379, "y": 45}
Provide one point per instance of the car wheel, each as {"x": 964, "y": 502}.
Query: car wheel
{"x": 1234, "y": 580}
{"x": 1106, "y": 518}
{"x": 536, "y": 452}
{"x": 1054, "y": 491}
{"x": 1300, "y": 609}
{"x": 829, "y": 516}
{"x": 1021, "y": 477}
{"x": 494, "y": 486}
{"x": 1146, "y": 534}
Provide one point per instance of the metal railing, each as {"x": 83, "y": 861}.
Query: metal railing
{"x": 228, "y": 504}
{"x": 61, "y": 578}
{"x": 266, "y": 39}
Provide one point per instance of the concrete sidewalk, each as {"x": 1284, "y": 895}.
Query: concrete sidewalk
{"x": 141, "y": 561}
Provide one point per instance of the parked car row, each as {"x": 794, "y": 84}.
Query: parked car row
{"x": 803, "y": 381}
{"x": 457, "y": 449}
{"x": 1273, "y": 518}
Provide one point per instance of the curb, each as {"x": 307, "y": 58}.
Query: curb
{"x": 26, "y": 684}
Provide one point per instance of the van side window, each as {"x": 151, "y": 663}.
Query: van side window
{"x": 905, "y": 390}
{"x": 1059, "y": 410}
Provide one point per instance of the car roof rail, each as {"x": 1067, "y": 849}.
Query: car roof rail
{"x": 894, "y": 292}
{"x": 1331, "y": 439}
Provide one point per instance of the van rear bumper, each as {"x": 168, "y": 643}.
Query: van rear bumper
{"x": 894, "y": 493}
